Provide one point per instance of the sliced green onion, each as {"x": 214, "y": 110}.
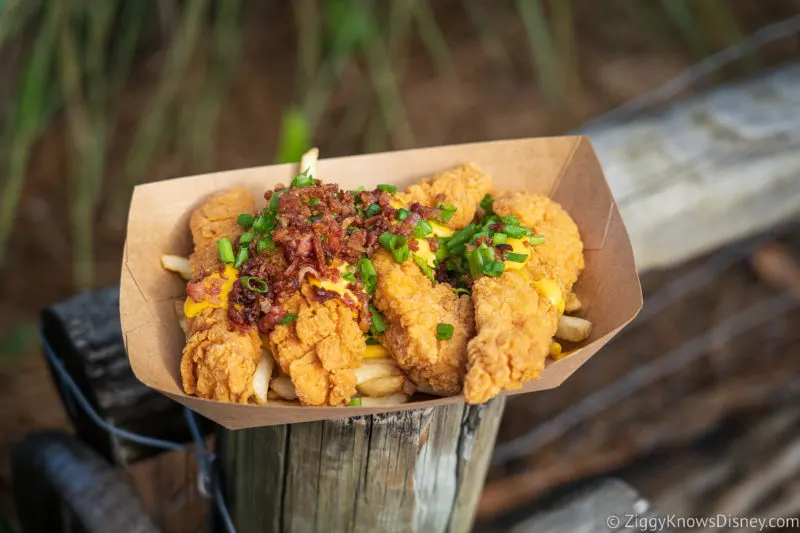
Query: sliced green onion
{"x": 265, "y": 243}
{"x": 487, "y": 203}
{"x": 448, "y": 210}
{"x": 355, "y": 402}
{"x": 517, "y": 258}
{"x": 403, "y": 214}
{"x": 225, "y": 250}
{"x": 422, "y": 229}
{"x": 444, "y": 332}
{"x": 461, "y": 290}
{"x": 352, "y": 229}
{"x": 487, "y": 254}
{"x": 245, "y": 220}
{"x": 288, "y": 318}
{"x": 461, "y": 236}
{"x": 373, "y": 210}
{"x": 499, "y": 238}
{"x": 246, "y": 238}
{"x": 254, "y": 284}
{"x": 424, "y": 266}
{"x": 368, "y": 274}
{"x": 399, "y": 248}
{"x": 263, "y": 223}
{"x": 314, "y": 201}
{"x": 324, "y": 238}
{"x": 241, "y": 256}
{"x": 378, "y": 324}
{"x": 482, "y": 233}
{"x": 515, "y": 232}
{"x": 314, "y": 218}
{"x": 458, "y": 249}
{"x": 303, "y": 180}
{"x": 511, "y": 219}
{"x": 385, "y": 239}
{"x": 391, "y": 189}
{"x": 536, "y": 239}
{"x": 441, "y": 252}
{"x": 372, "y": 341}
{"x": 273, "y": 202}
{"x": 475, "y": 263}
{"x": 357, "y": 190}
{"x": 494, "y": 269}
{"x": 349, "y": 276}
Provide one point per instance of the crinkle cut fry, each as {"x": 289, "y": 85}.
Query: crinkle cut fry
{"x": 218, "y": 362}
{"x": 463, "y": 186}
{"x": 412, "y": 309}
{"x": 319, "y": 349}
{"x": 515, "y": 325}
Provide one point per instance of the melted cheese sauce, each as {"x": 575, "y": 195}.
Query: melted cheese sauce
{"x": 518, "y": 248}
{"x": 339, "y": 286}
{"x": 192, "y": 308}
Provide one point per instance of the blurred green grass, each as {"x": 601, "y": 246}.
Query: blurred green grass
{"x": 77, "y": 57}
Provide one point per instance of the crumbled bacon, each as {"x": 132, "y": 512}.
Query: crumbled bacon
{"x": 196, "y": 291}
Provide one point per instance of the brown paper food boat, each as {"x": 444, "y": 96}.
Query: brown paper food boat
{"x": 564, "y": 168}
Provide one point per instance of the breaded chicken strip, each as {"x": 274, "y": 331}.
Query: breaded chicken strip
{"x": 218, "y": 361}
{"x": 319, "y": 349}
{"x": 514, "y": 318}
{"x": 463, "y": 186}
{"x": 515, "y": 325}
{"x": 413, "y": 309}
{"x": 560, "y": 258}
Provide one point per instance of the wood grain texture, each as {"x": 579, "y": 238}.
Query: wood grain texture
{"x": 706, "y": 170}
{"x": 411, "y": 471}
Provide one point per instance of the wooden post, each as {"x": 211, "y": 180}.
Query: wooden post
{"x": 412, "y": 471}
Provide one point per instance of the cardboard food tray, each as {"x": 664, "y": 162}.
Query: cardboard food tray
{"x": 564, "y": 168}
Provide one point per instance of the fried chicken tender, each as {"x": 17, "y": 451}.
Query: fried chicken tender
{"x": 463, "y": 186}
{"x": 218, "y": 361}
{"x": 515, "y": 322}
{"x": 413, "y": 309}
{"x": 319, "y": 349}
{"x": 214, "y": 220}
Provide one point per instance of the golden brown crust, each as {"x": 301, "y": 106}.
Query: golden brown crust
{"x": 412, "y": 309}
{"x": 463, "y": 186}
{"x": 218, "y": 362}
{"x": 319, "y": 349}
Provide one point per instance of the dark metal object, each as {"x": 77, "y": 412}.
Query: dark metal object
{"x": 85, "y": 333}
{"x": 59, "y": 484}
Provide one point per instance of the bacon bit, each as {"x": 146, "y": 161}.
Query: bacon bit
{"x": 270, "y": 319}
{"x": 504, "y": 247}
{"x": 196, "y": 291}
{"x": 433, "y": 242}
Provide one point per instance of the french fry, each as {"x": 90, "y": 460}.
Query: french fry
{"x": 370, "y": 369}
{"x": 572, "y": 305}
{"x": 573, "y": 329}
{"x": 394, "y": 399}
{"x": 262, "y": 376}
{"x": 283, "y": 386}
{"x": 176, "y": 263}
{"x": 308, "y": 163}
{"x": 182, "y": 320}
{"x": 379, "y": 387}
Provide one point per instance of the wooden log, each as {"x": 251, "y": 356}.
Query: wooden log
{"x": 707, "y": 170}
{"x": 414, "y": 471}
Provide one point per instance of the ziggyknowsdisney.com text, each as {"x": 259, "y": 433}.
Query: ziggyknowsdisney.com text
{"x": 660, "y": 523}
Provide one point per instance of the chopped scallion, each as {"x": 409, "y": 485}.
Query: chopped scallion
{"x": 494, "y": 269}
{"x": 391, "y": 189}
{"x": 254, "y": 284}
{"x": 314, "y": 201}
{"x": 246, "y": 238}
{"x": 441, "y": 252}
{"x": 385, "y": 239}
{"x": 399, "y": 248}
{"x": 372, "y": 341}
{"x": 288, "y": 318}
{"x": 499, "y": 238}
{"x": 303, "y": 180}
{"x": 487, "y": 254}
{"x": 263, "y": 223}
{"x": 517, "y": 258}
{"x": 378, "y": 324}
{"x": 487, "y": 203}
{"x": 448, "y": 210}
{"x": 402, "y": 214}
{"x": 422, "y": 229}
{"x": 475, "y": 263}
{"x": 265, "y": 243}
{"x": 444, "y": 332}
{"x": 355, "y": 402}
{"x": 461, "y": 237}
{"x": 225, "y": 250}
{"x": 511, "y": 219}
{"x": 536, "y": 239}
{"x": 245, "y": 220}
{"x": 373, "y": 210}
{"x": 348, "y": 276}
{"x": 241, "y": 256}
{"x": 515, "y": 232}
{"x": 368, "y": 274}
{"x": 314, "y": 218}
{"x": 424, "y": 266}
{"x": 273, "y": 202}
